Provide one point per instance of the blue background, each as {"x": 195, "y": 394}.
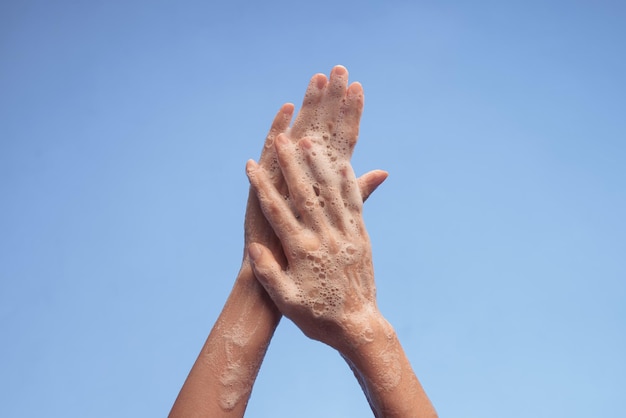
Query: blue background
{"x": 499, "y": 238}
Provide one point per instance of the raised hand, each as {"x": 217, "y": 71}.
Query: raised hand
{"x": 328, "y": 287}
{"x": 315, "y": 209}
{"x": 325, "y": 283}
{"x": 331, "y": 111}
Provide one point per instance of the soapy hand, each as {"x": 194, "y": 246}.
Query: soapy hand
{"x": 327, "y": 111}
{"x": 328, "y": 286}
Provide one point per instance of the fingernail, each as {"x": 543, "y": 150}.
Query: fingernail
{"x": 306, "y": 143}
{"x": 250, "y": 166}
{"x": 355, "y": 88}
{"x": 288, "y": 108}
{"x": 340, "y": 70}
{"x": 282, "y": 139}
{"x": 254, "y": 251}
{"x": 320, "y": 81}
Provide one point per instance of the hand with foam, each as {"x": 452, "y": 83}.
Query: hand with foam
{"x": 326, "y": 283}
{"x": 317, "y": 215}
{"x": 327, "y": 288}
{"x": 327, "y": 111}
{"x": 329, "y": 282}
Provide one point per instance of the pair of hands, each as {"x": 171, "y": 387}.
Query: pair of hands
{"x": 304, "y": 233}
{"x": 306, "y": 244}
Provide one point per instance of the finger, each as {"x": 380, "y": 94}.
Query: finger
{"x": 279, "y": 125}
{"x": 349, "y": 119}
{"x": 268, "y": 155}
{"x": 327, "y": 177}
{"x": 273, "y": 204}
{"x": 368, "y": 182}
{"x": 271, "y": 276}
{"x": 297, "y": 176}
{"x": 350, "y": 192}
{"x": 338, "y": 82}
{"x": 333, "y": 99}
{"x": 308, "y": 118}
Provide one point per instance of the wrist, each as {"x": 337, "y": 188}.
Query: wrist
{"x": 384, "y": 373}
{"x": 363, "y": 332}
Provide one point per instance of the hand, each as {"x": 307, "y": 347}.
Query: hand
{"x": 328, "y": 287}
{"x": 322, "y": 190}
{"x": 326, "y": 111}
{"x": 325, "y": 283}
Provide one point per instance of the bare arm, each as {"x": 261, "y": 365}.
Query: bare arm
{"x": 327, "y": 287}
{"x": 220, "y": 381}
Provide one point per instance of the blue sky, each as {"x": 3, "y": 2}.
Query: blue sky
{"x": 499, "y": 238}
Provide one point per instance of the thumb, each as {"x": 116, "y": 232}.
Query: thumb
{"x": 269, "y": 273}
{"x": 368, "y": 182}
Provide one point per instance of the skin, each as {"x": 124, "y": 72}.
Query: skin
{"x": 220, "y": 381}
{"x": 327, "y": 288}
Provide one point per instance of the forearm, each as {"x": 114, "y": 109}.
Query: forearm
{"x": 221, "y": 379}
{"x": 385, "y": 373}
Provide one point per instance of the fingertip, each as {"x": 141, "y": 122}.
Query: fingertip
{"x": 340, "y": 70}
{"x": 255, "y": 251}
{"x": 319, "y": 80}
{"x": 288, "y": 108}
{"x": 306, "y": 143}
{"x": 282, "y": 140}
{"x": 251, "y": 167}
{"x": 355, "y": 88}
{"x": 370, "y": 182}
{"x": 382, "y": 174}
{"x": 356, "y": 96}
{"x": 378, "y": 177}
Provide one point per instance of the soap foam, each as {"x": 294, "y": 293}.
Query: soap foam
{"x": 238, "y": 375}
{"x": 339, "y": 278}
